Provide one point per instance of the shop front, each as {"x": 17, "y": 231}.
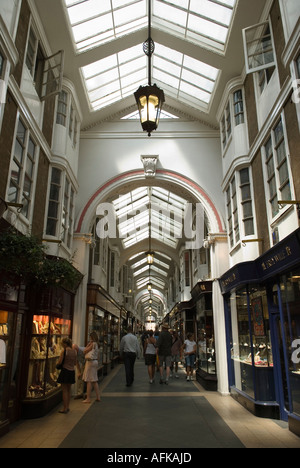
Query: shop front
{"x": 49, "y": 320}
{"x": 206, "y": 358}
{"x": 196, "y": 316}
{"x": 104, "y": 317}
{"x": 262, "y": 309}
{"x": 12, "y": 313}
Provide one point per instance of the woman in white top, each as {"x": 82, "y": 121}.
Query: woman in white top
{"x": 90, "y": 374}
{"x": 190, "y": 347}
{"x": 150, "y": 355}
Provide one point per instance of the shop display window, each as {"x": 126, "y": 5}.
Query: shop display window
{"x": 205, "y": 338}
{"x": 115, "y": 334}
{"x": 7, "y": 330}
{"x": 250, "y": 338}
{"x": 290, "y": 296}
{"x": 96, "y": 323}
{"x": 261, "y": 335}
{"x": 47, "y": 333}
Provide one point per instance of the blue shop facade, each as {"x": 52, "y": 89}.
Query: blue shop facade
{"x": 262, "y": 310}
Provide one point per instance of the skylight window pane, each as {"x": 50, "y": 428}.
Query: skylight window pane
{"x": 107, "y": 100}
{"x": 121, "y": 3}
{"x": 94, "y": 22}
{"x": 212, "y": 11}
{"x": 181, "y": 3}
{"x": 166, "y": 78}
{"x": 130, "y": 54}
{"x": 133, "y": 65}
{"x": 166, "y": 52}
{"x": 86, "y": 10}
{"x": 104, "y": 91}
{"x": 164, "y": 64}
{"x": 129, "y": 13}
{"x": 195, "y": 92}
{"x": 100, "y": 80}
{"x": 197, "y": 80}
{"x": 175, "y": 15}
{"x": 133, "y": 78}
{"x": 207, "y": 28}
{"x": 200, "y": 67}
{"x": 92, "y": 27}
{"x": 100, "y": 66}
{"x": 198, "y": 20}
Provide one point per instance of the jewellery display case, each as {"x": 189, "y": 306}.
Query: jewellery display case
{"x": 206, "y": 363}
{"x": 251, "y": 347}
{"x": 47, "y": 333}
{"x": 51, "y": 322}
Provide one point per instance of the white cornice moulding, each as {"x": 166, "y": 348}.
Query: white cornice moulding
{"x": 142, "y": 135}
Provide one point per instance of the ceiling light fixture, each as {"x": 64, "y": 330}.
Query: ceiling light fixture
{"x": 149, "y": 98}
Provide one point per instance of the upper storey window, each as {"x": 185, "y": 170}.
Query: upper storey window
{"x": 23, "y": 170}
{"x": 259, "y": 47}
{"x": 277, "y": 168}
{"x": 46, "y": 72}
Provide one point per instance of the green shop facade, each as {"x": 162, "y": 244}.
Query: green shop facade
{"x": 262, "y": 311}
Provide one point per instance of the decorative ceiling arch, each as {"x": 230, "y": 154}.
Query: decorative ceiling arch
{"x": 194, "y": 192}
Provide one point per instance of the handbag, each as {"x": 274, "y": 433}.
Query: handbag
{"x": 60, "y": 366}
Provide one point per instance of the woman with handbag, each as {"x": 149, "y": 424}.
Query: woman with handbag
{"x": 90, "y": 374}
{"x": 66, "y": 364}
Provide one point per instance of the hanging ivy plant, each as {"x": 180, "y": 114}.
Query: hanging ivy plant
{"x": 24, "y": 258}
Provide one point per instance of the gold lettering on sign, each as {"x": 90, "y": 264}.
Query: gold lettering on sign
{"x": 278, "y": 258}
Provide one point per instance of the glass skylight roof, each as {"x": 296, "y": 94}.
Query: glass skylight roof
{"x": 197, "y": 20}
{"x": 110, "y": 79}
{"x": 135, "y": 210}
{"x": 95, "y": 22}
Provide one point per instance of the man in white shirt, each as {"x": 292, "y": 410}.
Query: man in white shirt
{"x": 129, "y": 351}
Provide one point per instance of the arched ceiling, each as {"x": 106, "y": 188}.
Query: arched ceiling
{"x": 149, "y": 218}
{"x": 198, "y": 50}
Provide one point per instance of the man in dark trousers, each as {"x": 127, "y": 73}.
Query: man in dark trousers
{"x": 164, "y": 351}
{"x": 129, "y": 351}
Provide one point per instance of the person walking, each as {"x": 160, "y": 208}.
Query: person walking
{"x": 164, "y": 351}
{"x": 80, "y": 367}
{"x": 129, "y": 351}
{"x": 176, "y": 353}
{"x": 150, "y": 355}
{"x": 90, "y": 374}
{"x": 67, "y": 362}
{"x": 190, "y": 348}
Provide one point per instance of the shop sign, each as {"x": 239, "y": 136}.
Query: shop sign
{"x": 284, "y": 255}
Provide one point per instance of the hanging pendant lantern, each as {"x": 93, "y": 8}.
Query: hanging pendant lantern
{"x": 149, "y": 98}
{"x": 149, "y": 101}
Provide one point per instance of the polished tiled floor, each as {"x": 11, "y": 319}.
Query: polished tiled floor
{"x": 180, "y": 415}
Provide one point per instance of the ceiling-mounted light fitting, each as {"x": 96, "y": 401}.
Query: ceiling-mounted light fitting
{"x": 149, "y": 98}
{"x": 150, "y": 257}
